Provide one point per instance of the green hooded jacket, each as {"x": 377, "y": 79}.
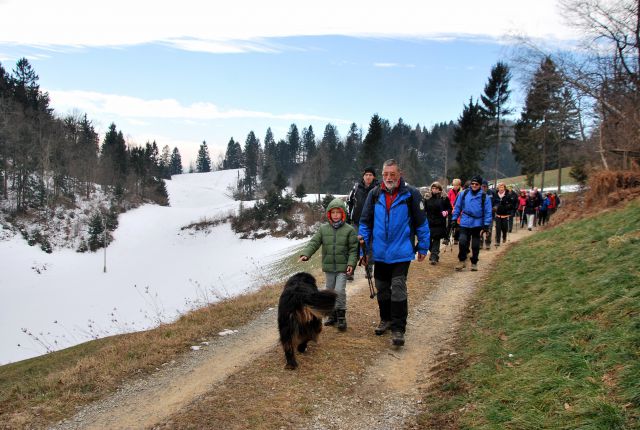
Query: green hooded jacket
{"x": 339, "y": 245}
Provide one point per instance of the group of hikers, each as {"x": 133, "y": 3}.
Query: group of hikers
{"x": 384, "y": 224}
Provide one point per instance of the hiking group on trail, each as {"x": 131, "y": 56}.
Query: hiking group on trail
{"x": 395, "y": 224}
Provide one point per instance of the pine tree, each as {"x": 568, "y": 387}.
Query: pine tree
{"x": 96, "y": 232}
{"x": 114, "y": 156}
{"x": 372, "y": 146}
{"x": 251, "y": 159}
{"x": 176, "y": 162}
{"x": 203, "y": 161}
{"x": 164, "y": 163}
{"x": 494, "y": 100}
{"x": 233, "y": 156}
{"x": 270, "y": 165}
{"x": 293, "y": 141}
{"x": 300, "y": 191}
{"x": 308, "y": 143}
{"x": 539, "y": 128}
{"x": 27, "y": 90}
{"x": 469, "y": 141}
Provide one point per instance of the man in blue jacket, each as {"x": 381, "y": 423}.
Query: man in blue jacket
{"x": 390, "y": 220}
{"x": 473, "y": 212}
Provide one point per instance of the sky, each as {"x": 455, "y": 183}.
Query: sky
{"x": 183, "y": 73}
{"x": 155, "y": 272}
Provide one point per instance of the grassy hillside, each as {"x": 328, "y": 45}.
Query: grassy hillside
{"x": 550, "y": 179}
{"x": 554, "y": 339}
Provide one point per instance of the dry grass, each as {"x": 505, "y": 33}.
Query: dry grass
{"x": 48, "y": 388}
{"x": 607, "y": 188}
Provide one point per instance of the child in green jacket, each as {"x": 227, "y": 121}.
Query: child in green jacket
{"x": 339, "y": 243}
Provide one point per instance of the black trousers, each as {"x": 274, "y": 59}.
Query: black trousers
{"x": 469, "y": 234}
{"x": 502, "y": 227}
{"x": 391, "y": 283}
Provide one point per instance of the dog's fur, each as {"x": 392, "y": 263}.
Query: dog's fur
{"x": 300, "y": 312}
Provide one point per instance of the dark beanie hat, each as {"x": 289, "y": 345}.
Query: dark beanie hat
{"x": 369, "y": 170}
{"x": 477, "y": 178}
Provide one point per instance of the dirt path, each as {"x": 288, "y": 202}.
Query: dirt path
{"x": 384, "y": 395}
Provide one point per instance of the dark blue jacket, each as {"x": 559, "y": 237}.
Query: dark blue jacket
{"x": 391, "y": 234}
{"x": 472, "y": 214}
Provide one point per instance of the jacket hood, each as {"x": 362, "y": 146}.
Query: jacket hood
{"x": 339, "y": 204}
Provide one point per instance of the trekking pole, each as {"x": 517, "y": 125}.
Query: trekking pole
{"x": 449, "y": 240}
{"x": 367, "y": 269}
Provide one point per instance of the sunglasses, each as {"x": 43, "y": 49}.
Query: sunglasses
{"x": 475, "y": 183}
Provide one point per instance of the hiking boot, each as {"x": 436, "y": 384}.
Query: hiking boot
{"x": 341, "y": 320}
{"x": 455, "y": 242}
{"x": 461, "y": 266}
{"x": 349, "y": 277}
{"x": 332, "y": 319}
{"x": 397, "y": 338}
{"x": 433, "y": 262}
{"x": 487, "y": 247}
{"x": 497, "y": 245}
{"x": 382, "y": 327}
{"x": 474, "y": 267}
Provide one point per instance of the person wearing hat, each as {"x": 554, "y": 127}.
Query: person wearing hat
{"x": 357, "y": 196}
{"x": 473, "y": 209}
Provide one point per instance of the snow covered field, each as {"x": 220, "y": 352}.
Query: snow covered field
{"x": 155, "y": 271}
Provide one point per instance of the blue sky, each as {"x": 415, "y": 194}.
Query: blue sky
{"x": 181, "y": 73}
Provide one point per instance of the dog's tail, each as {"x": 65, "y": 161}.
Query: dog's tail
{"x": 322, "y": 301}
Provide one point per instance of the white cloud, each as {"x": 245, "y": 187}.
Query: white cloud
{"x": 244, "y": 25}
{"x": 132, "y": 107}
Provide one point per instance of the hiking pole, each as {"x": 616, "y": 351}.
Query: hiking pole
{"x": 367, "y": 269}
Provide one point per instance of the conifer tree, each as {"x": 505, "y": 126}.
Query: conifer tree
{"x": 293, "y": 141}
{"x": 372, "y": 146}
{"x": 538, "y": 130}
{"x": 114, "y": 156}
{"x": 494, "y": 100}
{"x": 176, "y": 162}
{"x": 308, "y": 143}
{"x": 164, "y": 163}
{"x": 270, "y": 166}
{"x": 233, "y": 156}
{"x": 203, "y": 161}
{"x": 469, "y": 141}
{"x": 96, "y": 232}
{"x": 251, "y": 159}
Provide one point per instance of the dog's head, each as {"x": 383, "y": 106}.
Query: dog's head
{"x": 302, "y": 278}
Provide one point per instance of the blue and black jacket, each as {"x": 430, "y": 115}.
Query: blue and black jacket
{"x": 391, "y": 235}
{"x": 469, "y": 209}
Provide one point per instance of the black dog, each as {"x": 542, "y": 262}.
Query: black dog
{"x": 300, "y": 312}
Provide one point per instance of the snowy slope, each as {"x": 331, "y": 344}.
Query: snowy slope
{"x": 155, "y": 270}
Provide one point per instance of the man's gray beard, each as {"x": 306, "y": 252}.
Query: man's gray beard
{"x": 390, "y": 188}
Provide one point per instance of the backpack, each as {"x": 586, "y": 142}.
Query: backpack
{"x": 464, "y": 194}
